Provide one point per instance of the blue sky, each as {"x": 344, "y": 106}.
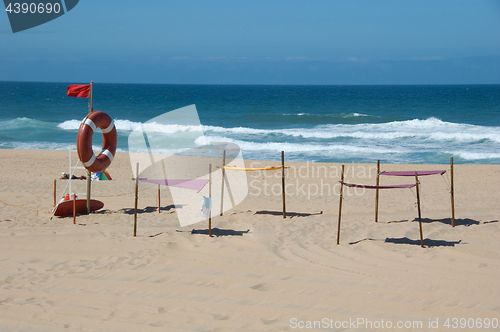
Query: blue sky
{"x": 260, "y": 42}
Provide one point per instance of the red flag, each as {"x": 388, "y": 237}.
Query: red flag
{"x": 79, "y": 90}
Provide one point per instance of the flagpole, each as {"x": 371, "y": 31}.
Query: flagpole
{"x": 88, "y": 172}
{"x": 91, "y": 109}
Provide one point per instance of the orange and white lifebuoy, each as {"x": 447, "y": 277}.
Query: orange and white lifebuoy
{"x": 96, "y": 119}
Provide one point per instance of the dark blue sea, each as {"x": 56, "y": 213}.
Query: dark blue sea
{"x": 396, "y": 124}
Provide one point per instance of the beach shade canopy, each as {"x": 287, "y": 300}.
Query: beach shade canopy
{"x": 416, "y": 174}
{"x": 101, "y": 176}
{"x": 172, "y": 150}
{"x": 394, "y": 186}
{"x": 412, "y": 173}
{"x": 377, "y": 187}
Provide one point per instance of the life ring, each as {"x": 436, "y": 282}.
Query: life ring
{"x": 96, "y": 119}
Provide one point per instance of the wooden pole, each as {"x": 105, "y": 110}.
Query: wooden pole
{"x": 89, "y": 183}
{"x": 340, "y": 204}
{"x": 452, "y": 195}
{"x": 136, "y": 198}
{"x": 283, "y": 182}
{"x": 419, "y": 213}
{"x": 55, "y": 183}
{"x": 159, "y": 206}
{"x": 70, "y": 172}
{"x": 88, "y": 191}
{"x": 74, "y": 209}
{"x": 376, "y": 191}
{"x": 91, "y": 108}
{"x": 210, "y": 196}
{"x": 223, "y": 181}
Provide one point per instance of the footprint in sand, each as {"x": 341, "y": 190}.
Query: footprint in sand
{"x": 269, "y": 321}
{"x": 259, "y": 287}
{"x": 220, "y": 317}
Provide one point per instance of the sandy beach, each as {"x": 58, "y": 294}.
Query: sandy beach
{"x": 260, "y": 272}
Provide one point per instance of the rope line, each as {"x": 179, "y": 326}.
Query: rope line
{"x": 447, "y": 181}
{"x": 21, "y": 205}
{"x": 131, "y": 193}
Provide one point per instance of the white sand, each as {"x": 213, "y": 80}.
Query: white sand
{"x": 263, "y": 272}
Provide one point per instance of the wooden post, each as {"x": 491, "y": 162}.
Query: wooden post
{"x": 376, "y": 191}
{"x": 88, "y": 191}
{"x": 89, "y": 182}
{"x": 55, "y": 183}
{"x": 283, "y": 182}
{"x": 210, "y": 196}
{"x": 223, "y": 181}
{"x": 74, "y": 209}
{"x": 419, "y": 213}
{"x": 159, "y": 206}
{"x": 340, "y": 204}
{"x": 70, "y": 172}
{"x": 136, "y": 198}
{"x": 452, "y": 195}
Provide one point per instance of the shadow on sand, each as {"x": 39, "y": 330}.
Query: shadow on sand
{"x": 458, "y": 222}
{"x": 404, "y": 240}
{"x": 149, "y": 209}
{"x": 447, "y": 221}
{"x": 220, "y": 232}
{"x": 427, "y": 242}
{"x": 288, "y": 214}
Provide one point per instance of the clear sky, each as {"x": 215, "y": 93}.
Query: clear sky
{"x": 260, "y": 42}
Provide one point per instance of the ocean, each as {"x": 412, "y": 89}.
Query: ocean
{"x": 360, "y": 124}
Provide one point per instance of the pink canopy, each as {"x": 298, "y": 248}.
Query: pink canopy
{"x": 412, "y": 173}
{"x": 394, "y": 186}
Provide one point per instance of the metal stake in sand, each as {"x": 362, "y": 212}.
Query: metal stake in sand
{"x": 223, "y": 181}
{"x": 210, "y": 196}
{"x": 88, "y": 172}
{"x": 340, "y": 204}
{"x": 452, "y": 195}
{"x": 136, "y": 198}
{"x": 283, "y": 182}
{"x": 376, "y": 191}
{"x": 418, "y": 207}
